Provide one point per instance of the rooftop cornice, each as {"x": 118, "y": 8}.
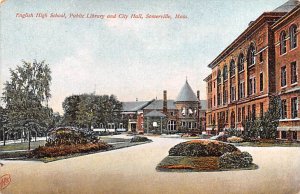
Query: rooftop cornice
{"x": 263, "y": 18}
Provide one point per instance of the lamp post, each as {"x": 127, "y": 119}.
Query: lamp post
{"x": 160, "y": 125}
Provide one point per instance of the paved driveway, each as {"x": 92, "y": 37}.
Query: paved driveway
{"x": 132, "y": 170}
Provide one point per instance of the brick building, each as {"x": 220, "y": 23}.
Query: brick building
{"x": 287, "y": 60}
{"x": 185, "y": 114}
{"x": 244, "y": 75}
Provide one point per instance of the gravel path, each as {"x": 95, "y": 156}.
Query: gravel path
{"x": 132, "y": 170}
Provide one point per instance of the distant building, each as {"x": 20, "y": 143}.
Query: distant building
{"x": 132, "y": 115}
{"x": 185, "y": 114}
{"x": 258, "y": 64}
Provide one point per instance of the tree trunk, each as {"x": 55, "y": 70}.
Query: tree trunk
{"x": 29, "y": 139}
{"x": 3, "y": 137}
{"x": 35, "y": 136}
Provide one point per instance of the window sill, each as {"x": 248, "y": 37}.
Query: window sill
{"x": 251, "y": 66}
{"x": 242, "y": 71}
{"x": 294, "y": 84}
{"x": 283, "y": 87}
{"x": 294, "y": 48}
{"x": 283, "y": 54}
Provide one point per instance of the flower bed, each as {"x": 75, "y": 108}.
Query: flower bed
{"x": 197, "y": 148}
{"x": 63, "y": 150}
{"x": 205, "y": 155}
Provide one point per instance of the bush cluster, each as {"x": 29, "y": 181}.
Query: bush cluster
{"x": 71, "y": 136}
{"x": 235, "y": 139}
{"x": 198, "y": 148}
{"x": 235, "y": 159}
{"x": 139, "y": 139}
{"x": 63, "y": 150}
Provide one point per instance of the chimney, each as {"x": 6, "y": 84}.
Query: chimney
{"x": 165, "y": 104}
{"x": 198, "y": 94}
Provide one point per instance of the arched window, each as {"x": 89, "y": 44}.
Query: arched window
{"x": 225, "y": 73}
{"x": 251, "y": 55}
{"x": 293, "y": 36}
{"x": 232, "y": 67}
{"x": 241, "y": 62}
{"x": 282, "y": 42}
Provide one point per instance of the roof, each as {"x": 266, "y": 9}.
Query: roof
{"x": 186, "y": 94}
{"x": 158, "y": 105}
{"x": 155, "y": 113}
{"x": 286, "y": 17}
{"x": 203, "y": 104}
{"x": 287, "y": 6}
{"x": 134, "y": 106}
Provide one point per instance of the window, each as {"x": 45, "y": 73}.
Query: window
{"x": 294, "y": 107}
{"x": 251, "y": 55}
{"x": 283, "y": 76}
{"x": 214, "y": 100}
{"x": 283, "y": 109}
{"x": 241, "y": 89}
{"x": 226, "y": 117}
{"x": 232, "y": 68}
{"x": 219, "y": 76}
{"x": 249, "y": 112}
{"x": 251, "y": 86}
{"x": 261, "y": 109}
{"x": 282, "y": 42}
{"x": 293, "y": 72}
{"x": 225, "y": 73}
{"x": 261, "y": 58}
{"x": 239, "y": 115}
{"x": 225, "y": 95}
{"x": 261, "y": 81}
{"x": 232, "y": 93}
{"x": 253, "y": 112}
{"x": 241, "y": 62}
{"x": 243, "y": 113}
{"x": 293, "y": 36}
{"x": 283, "y": 134}
{"x": 172, "y": 125}
{"x": 219, "y": 99}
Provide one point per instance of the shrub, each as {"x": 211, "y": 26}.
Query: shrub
{"x": 63, "y": 150}
{"x": 233, "y": 132}
{"x": 139, "y": 139}
{"x": 235, "y": 159}
{"x": 197, "y": 148}
{"x": 235, "y": 139}
{"x": 71, "y": 136}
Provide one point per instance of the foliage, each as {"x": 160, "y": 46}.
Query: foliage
{"x": 266, "y": 126}
{"x": 89, "y": 110}
{"x": 70, "y": 136}
{"x": 235, "y": 159}
{"x": 63, "y": 150}
{"x": 233, "y": 132}
{"x": 26, "y": 96}
{"x": 139, "y": 139}
{"x": 235, "y": 139}
{"x": 197, "y": 148}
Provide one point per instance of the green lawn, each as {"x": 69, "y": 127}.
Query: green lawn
{"x": 267, "y": 144}
{"x": 22, "y": 146}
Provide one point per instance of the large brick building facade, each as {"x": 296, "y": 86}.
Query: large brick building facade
{"x": 245, "y": 75}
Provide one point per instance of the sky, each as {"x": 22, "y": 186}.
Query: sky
{"x": 130, "y": 58}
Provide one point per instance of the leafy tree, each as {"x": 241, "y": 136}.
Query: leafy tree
{"x": 266, "y": 126}
{"x": 26, "y": 95}
{"x": 89, "y": 110}
{"x": 3, "y": 123}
